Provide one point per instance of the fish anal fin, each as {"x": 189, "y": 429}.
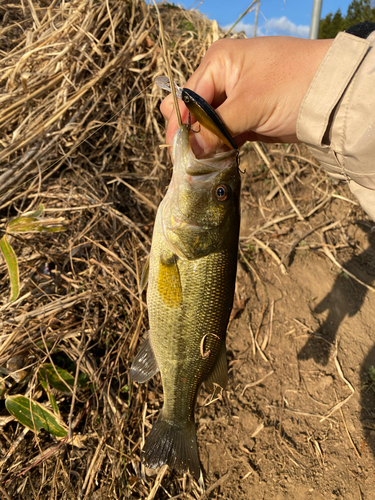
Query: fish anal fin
{"x": 218, "y": 376}
{"x": 144, "y": 365}
{"x": 174, "y": 445}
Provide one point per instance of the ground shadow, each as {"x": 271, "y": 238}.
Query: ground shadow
{"x": 368, "y": 399}
{"x": 345, "y": 299}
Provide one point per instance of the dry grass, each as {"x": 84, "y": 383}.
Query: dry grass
{"x": 79, "y": 132}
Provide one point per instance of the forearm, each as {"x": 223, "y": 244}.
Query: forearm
{"x": 336, "y": 118}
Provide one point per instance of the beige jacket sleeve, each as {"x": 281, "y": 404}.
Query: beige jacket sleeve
{"x": 337, "y": 116}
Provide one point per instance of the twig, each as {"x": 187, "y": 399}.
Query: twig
{"x": 319, "y": 206}
{"x": 267, "y": 225}
{"x": 168, "y": 64}
{"x": 330, "y": 256}
{"x": 51, "y": 308}
{"x": 252, "y": 337}
{"x": 240, "y": 17}
{"x": 93, "y": 467}
{"x": 272, "y": 253}
{"x": 158, "y": 481}
{"x": 297, "y": 412}
{"x": 132, "y": 188}
{"x": 268, "y": 335}
{"x": 344, "y": 401}
{"x": 257, "y": 430}
{"x": 301, "y": 238}
{"x": 213, "y": 487}
{"x": 6, "y": 496}
{"x": 275, "y": 176}
{"x": 257, "y": 382}
{"x": 348, "y": 434}
{"x": 289, "y": 179}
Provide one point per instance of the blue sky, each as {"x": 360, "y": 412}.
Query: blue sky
{"x": 276, "y": 17}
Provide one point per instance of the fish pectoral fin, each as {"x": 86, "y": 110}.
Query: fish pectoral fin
{"x": 144, "y": 275}
{"x": 219, "y": 374}
{"x": 169, "y": 281}
{"x": 144, "y": 365}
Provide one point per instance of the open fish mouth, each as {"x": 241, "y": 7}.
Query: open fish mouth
{"x": 184, "y": 157}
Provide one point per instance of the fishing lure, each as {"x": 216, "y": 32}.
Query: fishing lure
{"x": 201, "y": 110}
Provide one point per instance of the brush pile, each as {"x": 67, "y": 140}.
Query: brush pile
{"x": 79, "y": 133}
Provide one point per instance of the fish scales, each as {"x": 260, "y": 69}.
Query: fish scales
{"x": 191, "y": 280}
{"x": 207, "y": 288}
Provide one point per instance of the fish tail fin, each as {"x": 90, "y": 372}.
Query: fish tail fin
{"x": 174, "y": 445}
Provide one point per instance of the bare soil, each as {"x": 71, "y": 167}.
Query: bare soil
{"x": 285, "y": 438}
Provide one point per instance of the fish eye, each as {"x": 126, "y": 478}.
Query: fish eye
{"x": 222, "y": 192}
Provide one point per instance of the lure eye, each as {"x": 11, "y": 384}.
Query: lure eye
{"x": 222, "y": 192}
{"x": 185, "y": 97}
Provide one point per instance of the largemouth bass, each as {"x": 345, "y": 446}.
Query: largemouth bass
{"x": 191, "y": 280}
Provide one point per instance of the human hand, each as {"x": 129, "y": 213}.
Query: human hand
{"x": 257, "y": 86}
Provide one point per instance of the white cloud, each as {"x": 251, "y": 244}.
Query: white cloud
{"x": 272, "y": 27}
{"x": 241, "y": 26}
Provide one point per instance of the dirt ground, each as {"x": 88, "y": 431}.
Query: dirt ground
{"x": 298, "y": 418}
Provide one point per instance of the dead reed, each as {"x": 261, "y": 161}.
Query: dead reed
{"x": 79, "y": 132}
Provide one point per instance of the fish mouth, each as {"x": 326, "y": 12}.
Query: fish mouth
{"x": 176, "y": 223}
{"x": 190, "y": 214}
{"x": 184, "y": 157}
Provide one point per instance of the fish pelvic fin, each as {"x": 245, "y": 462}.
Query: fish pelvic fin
{"x": 174, "y": 445}
{"x": 144, "y": 365}
{"x": 219, "y": 373}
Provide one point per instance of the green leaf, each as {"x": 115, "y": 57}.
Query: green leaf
{"x": 38, "y": 212}
{"x": 57, "y": 377}
{"x": 83, "y": 379}
{"x": 51, "y": 397}
{"x": 25, "y": 224}
{"x": 35, "y": 416}
{"x": 53, "y": 402}
{"x": 12, "y": 265}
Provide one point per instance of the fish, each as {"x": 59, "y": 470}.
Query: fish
{"x": 201, "y": 110}
{"x": 190, "y": 275}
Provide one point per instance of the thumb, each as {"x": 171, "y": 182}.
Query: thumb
{"x": 234, "y": 117}
{"x": 203, "y": 142}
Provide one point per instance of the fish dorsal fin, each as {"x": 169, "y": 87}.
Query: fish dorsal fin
{"x": 144, "y": 365}
{"x": 144, "y": 275}
{"x": 219, "y": 374}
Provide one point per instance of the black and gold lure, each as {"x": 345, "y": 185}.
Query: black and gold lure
{"x": 201, "y": 110}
